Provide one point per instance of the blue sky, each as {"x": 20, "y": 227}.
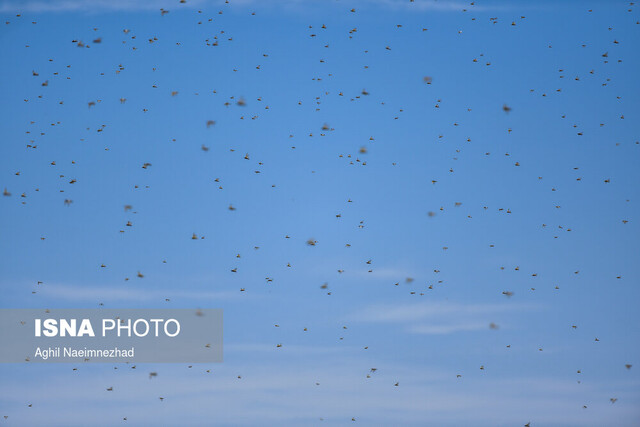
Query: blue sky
{"x": 540, "y": 201}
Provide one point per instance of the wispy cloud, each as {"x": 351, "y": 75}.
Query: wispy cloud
{"x": 437, "y": 317}
{"x": 120, "y": 293}
{"x": 42, "y": 6}
{"x": 292, "y": 392}
{"x": 394, "y": 274}
{"x": 447, "y": 329}
{"x": 420, "y": 311}
{"x": 429, "y": 5}
{"x": 254, "y": 348}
